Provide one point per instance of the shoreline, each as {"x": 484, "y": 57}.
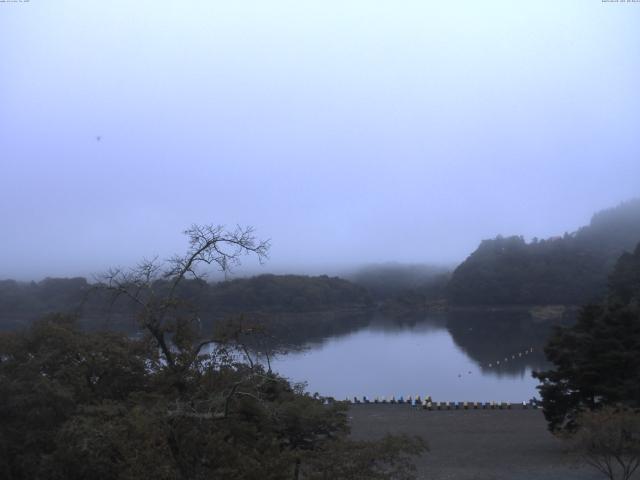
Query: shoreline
{"x": 510, "y": 444}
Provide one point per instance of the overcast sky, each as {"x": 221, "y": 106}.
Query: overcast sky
{"x": 346, "y": 131}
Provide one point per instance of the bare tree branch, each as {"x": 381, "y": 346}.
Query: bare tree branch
{"x": 158, "y": 312}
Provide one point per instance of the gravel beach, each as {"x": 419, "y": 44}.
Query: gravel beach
{"x": 476, "y": 444}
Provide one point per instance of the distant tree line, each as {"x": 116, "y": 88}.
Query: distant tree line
{"x": 571, "y": 269}
{"x": 264, "y": 293}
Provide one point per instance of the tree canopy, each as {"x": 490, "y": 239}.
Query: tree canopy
{"x": 597, "y": 361}
{"x": 78, "y": 405}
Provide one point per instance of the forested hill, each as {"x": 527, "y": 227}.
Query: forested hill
{"x": 292, "y": 293}
{"x": 571, "y": 269}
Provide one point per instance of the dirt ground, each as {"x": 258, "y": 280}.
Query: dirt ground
{"x": 476, "y": 444}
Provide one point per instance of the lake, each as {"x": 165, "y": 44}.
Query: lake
{"x": 454, "y": 356}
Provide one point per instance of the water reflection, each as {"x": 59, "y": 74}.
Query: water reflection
{"x": 460, "y": 355}
{"x": 472, "y": 355}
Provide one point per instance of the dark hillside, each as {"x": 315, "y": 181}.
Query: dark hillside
{"x": 571, "y": 269}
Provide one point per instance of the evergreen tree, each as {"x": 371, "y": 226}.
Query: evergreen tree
{"x": 597, "y": 361}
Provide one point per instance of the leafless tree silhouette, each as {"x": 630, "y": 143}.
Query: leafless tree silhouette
{"x": 152, "y": 286}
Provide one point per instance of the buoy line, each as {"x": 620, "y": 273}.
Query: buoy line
{"x": 426, "y": 403}
{"x": 506, "y": 359}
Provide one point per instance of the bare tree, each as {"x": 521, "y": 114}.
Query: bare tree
{"x": 609, "y": 440}
{"x": 153, "y": 286}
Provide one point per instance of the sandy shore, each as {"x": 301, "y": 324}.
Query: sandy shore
{"x": 476, "y": 444}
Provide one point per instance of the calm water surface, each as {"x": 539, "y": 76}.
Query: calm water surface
{"x": 451, "y": 357}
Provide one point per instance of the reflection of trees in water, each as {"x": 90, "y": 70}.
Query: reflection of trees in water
{"x": 277, "y": 332}
{"x": 489, "y": 337}
{"x": 283, "y": 332}
{"x": 414, "y": 321}
{"x": 486, "y": 336}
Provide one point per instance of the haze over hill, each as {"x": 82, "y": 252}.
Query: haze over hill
{"x": 348, "y": 133}
{"x": 569, "y": 270}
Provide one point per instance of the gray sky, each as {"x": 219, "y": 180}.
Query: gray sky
{"x": 346, "y": 131}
